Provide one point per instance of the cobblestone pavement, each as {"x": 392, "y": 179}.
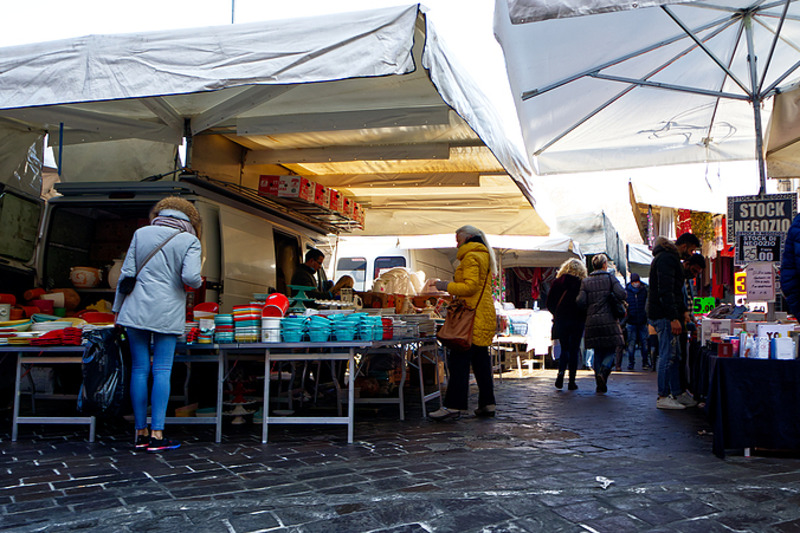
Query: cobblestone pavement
{"x": 534, "y": 467}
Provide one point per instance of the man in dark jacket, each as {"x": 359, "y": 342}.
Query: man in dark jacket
{"x": 790, "y": 268}
{"x": 305, "y": 275}
{"x": 665, "y": 311}
{"x": 636, "y": 321}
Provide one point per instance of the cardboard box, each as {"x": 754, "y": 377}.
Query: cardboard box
{"x": 335, "y": 201}
{"x": 268, "y": 185}
{"x": 772, "y": 331}
{"x": 322, "y": 195}
{"x": 752, "y": 327}
{"x": 347, "y": 207}
{"x": 715, "y": 327}
{"x": 358, "y": 214}
{"x": 296, "y": 187}
{"x": 783, "y": 348}
{"x": 725, "y": 349}
{"x": 746, "y": 344}
{"x": 762, "y": 348}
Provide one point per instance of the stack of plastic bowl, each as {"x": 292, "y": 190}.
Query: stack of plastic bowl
{"x": 370, "y": 328}
{"x": 345, "y": 327}
{"x": 293, "y": 329}
{"x": 223, "y": 329}
{"x": 319, "y": 328}
{"x": 247, "y": 319}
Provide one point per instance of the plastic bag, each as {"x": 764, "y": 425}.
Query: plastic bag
{"x": 556, "y": 349}
{"x": 105, "y": 372}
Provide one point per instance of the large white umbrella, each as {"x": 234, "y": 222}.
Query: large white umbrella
{"x": 613, "y": 84}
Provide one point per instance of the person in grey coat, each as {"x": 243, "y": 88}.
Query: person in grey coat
{"x": 603, "y": 333}
{"x": 155, "y": 311}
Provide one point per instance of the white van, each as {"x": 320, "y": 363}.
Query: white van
{"x": 247, "y": 247}
{"x": 366, "y": 258}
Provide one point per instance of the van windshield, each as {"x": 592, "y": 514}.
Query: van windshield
{"x": 355, "y": 267}
{"x": 386, "y": 263}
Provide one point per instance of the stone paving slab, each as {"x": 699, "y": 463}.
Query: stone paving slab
{"x": 532, "y": 468}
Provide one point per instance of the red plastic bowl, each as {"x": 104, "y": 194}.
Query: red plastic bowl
{"x": 208, "y": 307}
{"x": 94, "y": 317}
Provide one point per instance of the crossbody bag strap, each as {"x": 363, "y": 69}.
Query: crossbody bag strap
{"x": 155, "y": 251}
{"x": 488, "y": 273}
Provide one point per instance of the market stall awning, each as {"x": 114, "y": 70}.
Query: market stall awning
{"x": 369, "y": 102}
{"x": 513, "y": 250}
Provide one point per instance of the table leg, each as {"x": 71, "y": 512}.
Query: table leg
{"x": 421, "y": 380}
{"x": 14, "y": 425}
{"x": 265, "y": 422}
{"x": 519, "y": 365}
{"x": 92, "y": 426}
{"x": 400, "y": 394}
{"x": 221, "y": 364}
{"x": 351, "y": 391}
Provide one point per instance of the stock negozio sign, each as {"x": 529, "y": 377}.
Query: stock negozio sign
{"x": 771, "y": 213}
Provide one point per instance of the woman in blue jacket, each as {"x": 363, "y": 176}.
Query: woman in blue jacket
{"x": 155, "y": 311}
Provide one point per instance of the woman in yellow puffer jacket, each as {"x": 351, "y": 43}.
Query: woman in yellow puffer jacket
{"x": 472, "y": 283}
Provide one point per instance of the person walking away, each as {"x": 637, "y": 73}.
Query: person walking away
{"x": 790, "y": 268}
{"x": 665, "y": 311}
{"x": 155, "y": 311}
{"x": 472, "y": 283}
{"x": 636, "y": 321}
{"x": 568, "y": 318}
{"x": 599, "y": 291}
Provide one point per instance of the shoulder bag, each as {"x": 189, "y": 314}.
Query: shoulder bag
{"x": 456, "y": 333}
{"x": 618, "y": 307}
{"x": 126, "y": 284}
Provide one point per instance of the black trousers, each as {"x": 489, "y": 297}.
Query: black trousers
{"x": 458, "y": 364}
{"x": 570, "y": 350}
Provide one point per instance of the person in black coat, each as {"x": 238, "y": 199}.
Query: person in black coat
{"x": 603, "y": 333}
{"x": 568, "y": 318}
{"x": 636, "y": 321}
{"x": 666, "y": 308}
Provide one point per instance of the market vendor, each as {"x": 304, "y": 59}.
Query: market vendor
{"x": 305, "y": 275}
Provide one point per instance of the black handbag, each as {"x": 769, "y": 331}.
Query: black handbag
{"x": 619, "y": 308}
{"x": 126, "y": 285}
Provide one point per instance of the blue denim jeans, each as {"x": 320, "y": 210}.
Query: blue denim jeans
{"x": 163, "y": 354}
{"x": 603, "y": 359}
{"x": 669, "y": 379}
{"x": 637, "y": 334}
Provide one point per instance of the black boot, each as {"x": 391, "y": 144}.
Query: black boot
{"x": 560, "y": 380}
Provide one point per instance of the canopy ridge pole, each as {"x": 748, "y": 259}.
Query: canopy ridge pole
{"x": 527, "y": 95}
{"x": 713, "y": 119}
{"x": 669, "y": 86}
{"x": 616, "y": 97}
{"x": 772, "y": 48}
{"x": 751, "y": 60}
{"x": 705, "y": 49}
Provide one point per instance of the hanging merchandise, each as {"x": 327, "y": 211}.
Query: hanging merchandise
{"x": 683, "y": 222}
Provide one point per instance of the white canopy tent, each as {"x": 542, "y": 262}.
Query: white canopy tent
{"x": 340, "y": 99}
{"x": 611, "y": 84}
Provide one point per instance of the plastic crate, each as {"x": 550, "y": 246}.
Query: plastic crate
{"x": 519, "y": 328}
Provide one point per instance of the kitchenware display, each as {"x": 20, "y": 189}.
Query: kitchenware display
{"x": 84, "y": 277}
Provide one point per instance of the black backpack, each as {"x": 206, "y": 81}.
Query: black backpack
{"x": 105, "y": 372}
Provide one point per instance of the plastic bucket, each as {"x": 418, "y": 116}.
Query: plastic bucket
{"x": 275, "y": 305}
{"x": 271, "y": 330}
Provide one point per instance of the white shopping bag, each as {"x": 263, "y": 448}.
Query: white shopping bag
{"x": 556, "y": 351}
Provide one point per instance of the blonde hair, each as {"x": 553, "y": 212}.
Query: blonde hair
{"x": 574, "y": 267}
{"x": 472, "y": 231}
{"x": 599, "y": 261}
{"x": 179, "y": 204}
{"x": 344, "y": 281}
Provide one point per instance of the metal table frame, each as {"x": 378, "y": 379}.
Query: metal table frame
{"x": 22, "y": 358}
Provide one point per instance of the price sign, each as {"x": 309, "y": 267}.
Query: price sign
{"x": 739, "y": 287}
{"x": 760, "y": 282}
{"x": 758, "y": 246}
{"x": 704, "y": 305}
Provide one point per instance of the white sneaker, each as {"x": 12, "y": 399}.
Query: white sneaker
{"x": 669, "y": 402}
{"x": 686, "y": 399}
{"x": 445, "y": 414}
